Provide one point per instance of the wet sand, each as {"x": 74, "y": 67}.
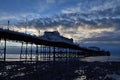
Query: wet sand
{"x": 59, "y": 70}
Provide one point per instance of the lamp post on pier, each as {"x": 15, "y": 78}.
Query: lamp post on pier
{"x": 8, "y": 24}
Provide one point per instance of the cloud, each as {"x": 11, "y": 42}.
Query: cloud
{"x": 77, "y": 26}
{"x": 50, "y": 1}
{"x": 107, "y": 4}
{"x": 82, "y": 33}
{"x": 75, "y": 19}
{"x": 105, "y": 36}
{"x": 95, "y": 8}
{"x": 71, "y": 10}
{"x": 15, "y": 18}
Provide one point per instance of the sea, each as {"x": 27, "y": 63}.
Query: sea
{"x": 13, "y": 54}
{"x": 16, "y": 57}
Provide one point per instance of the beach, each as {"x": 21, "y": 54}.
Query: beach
{"x": 59, "y": 70}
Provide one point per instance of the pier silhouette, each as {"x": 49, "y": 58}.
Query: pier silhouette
{"x": 46, "y": 47}
{"x": 50, "y": 47}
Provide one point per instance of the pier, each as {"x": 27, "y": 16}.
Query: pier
{"x": 41, "y": 48}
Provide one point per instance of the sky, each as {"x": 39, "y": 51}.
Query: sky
{"x": 88, "y": 22}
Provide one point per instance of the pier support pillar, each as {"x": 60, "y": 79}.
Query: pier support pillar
{"x": 31, "y": 53}
{"x": 66, "y": 54}
{"x": 36, "y": 52}
{"x": 21, "y": 51}
{"x": 26, "y": 51}
{"x": 5, "y": 49}
{"x": 54, "y": 53}
{"x": 49, "y": 52}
